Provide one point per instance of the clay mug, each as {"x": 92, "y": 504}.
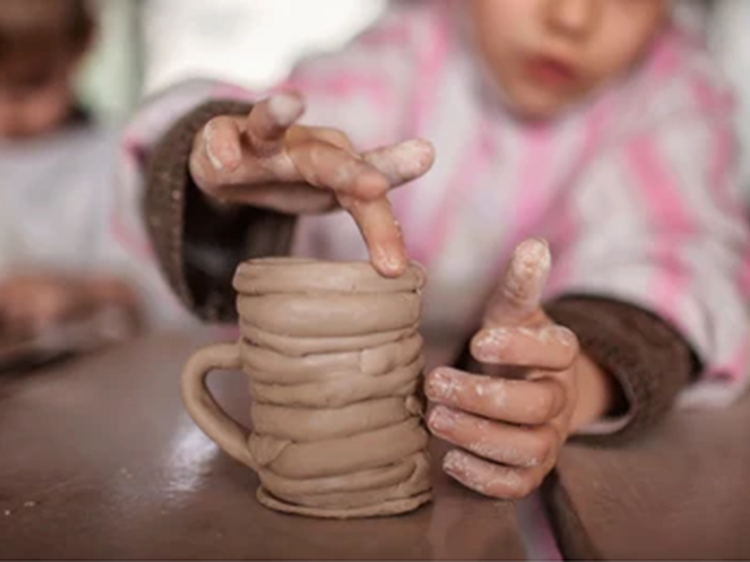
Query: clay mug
{"x": 334, "y": 361}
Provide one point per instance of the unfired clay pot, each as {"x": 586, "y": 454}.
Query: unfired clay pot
{"x": 334, "y": 359}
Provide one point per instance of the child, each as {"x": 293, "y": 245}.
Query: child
{"x": 57, "y": 169}
{"x": 595, "y": 124}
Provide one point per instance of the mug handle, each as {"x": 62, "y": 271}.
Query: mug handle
{"x": 230, "y": 435}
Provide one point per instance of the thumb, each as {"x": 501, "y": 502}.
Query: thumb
{"x": 518, "y": 299}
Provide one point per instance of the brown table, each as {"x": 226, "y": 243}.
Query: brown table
{"x": 98, "y": 460}
{"x": 682, "y": 492}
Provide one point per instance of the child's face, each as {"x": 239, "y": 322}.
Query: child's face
{"x": 36, "y": 96}
{"x": 546, "y": 54}
{"x": 37, "y": 68}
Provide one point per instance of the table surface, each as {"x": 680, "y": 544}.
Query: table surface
{"x": 680, "y": 492}
{"x": 100, "y": 460}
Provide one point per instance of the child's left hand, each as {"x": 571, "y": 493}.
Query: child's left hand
{"x": 29, "y": 303}
{"x": 510, "y": 425}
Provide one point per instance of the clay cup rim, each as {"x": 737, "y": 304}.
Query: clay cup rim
{"x": 296, "y": 275}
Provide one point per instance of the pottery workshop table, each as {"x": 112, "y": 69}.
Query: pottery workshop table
{"x": 98, "y": 460}
{"x": 683, "y": 492}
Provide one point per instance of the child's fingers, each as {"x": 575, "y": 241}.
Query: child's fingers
{"x": 550, "y": 347}
{"x": 399, "y": 163}
{"x": 270, "y": 119}
{"x": 518, "y": 298}
{"x": 324, "y": 165}
{"x": 498, "y": 442}
{"x": 511, "y": 401}
{"x": 381, "y": 233}
{"x": 404, "y": 162}
{"x": 491, "y": 479}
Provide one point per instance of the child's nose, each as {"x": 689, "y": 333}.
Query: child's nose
{"x": 575, "y": 18}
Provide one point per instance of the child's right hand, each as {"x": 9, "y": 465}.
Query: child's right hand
{"x": 265, "y": 160}
{"x": 31, "y": 303}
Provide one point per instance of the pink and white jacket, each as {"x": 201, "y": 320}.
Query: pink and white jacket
{"x": 634, "y": 188}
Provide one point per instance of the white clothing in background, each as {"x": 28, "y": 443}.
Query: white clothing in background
{"x": 57, "y": 196}
{"x": 250, "y": 42}
{"x": 729, "y": 35}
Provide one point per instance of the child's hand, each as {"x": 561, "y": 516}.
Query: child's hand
{"x": 264, "y": 160}
{"x": 510, "y": 427}
{"x": 32, "y": 303}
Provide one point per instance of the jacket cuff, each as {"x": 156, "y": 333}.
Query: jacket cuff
{"x": 649, "y": 360}
{"x": 199, "y": 243}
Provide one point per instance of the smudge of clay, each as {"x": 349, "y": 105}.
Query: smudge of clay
{"x": 532, "y": 261}
{"x": 482, "y": 476}
{"x": 389, "y": 261}
{"x": 508, "y": 345}
{"x": 441, "y": 384}
{"x": 528, "y": 273}
{"x": 459, "y": 465}
{"x": 413, "y": 158}
{"x": 492, "y": 343}
{"x": 499, "y": 392}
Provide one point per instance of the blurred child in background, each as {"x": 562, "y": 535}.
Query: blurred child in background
{"x": 57, "y": 260}
{"x": 598, "y": 125}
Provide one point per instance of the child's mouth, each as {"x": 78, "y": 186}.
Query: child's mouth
{"x": 550, "y": 72}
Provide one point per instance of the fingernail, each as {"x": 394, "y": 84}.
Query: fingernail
{"x": 441, "y": 419}
{"x": 534, "y": 250}
{"x": 532, "y": 260}
{"x": 392, "y": 266}
{"x": 439, "y": 384}
{"x": 415, "y": 157}
{"x": 228, "y": 159}
{"x": 455, "y": 462}
{"x": 562, "y": 335}
{"x": 285, "y": 109}
{"x": 490, "y": 344}
{"x": 208, "y": 135}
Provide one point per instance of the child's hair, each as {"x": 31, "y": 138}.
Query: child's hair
{"x": 35, "y": 27}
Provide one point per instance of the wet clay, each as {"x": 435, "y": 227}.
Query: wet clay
{"x": 334, "y": 361}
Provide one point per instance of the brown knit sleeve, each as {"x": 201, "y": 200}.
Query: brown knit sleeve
{"x": 650, "y": 361}
{"x": 199, "y": 244}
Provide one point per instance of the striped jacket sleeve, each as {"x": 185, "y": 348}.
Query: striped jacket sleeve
{"x": 659, "y": 223}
